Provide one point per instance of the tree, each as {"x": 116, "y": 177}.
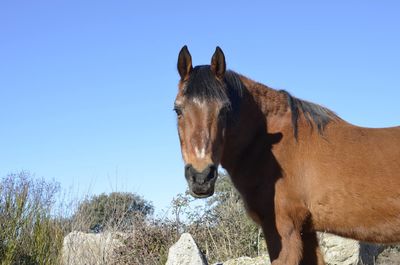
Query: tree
{"x": 116, "y": 211}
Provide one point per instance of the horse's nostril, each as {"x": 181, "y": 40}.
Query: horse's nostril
{"x": 212, "y": 172}
{"x": 188, "y": 167}
{"x": 189, "y": 174}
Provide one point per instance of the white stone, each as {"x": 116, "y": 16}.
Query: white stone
{"x": 185, "y": 252}
{"x": 87, "y": 248}
{"x": 343, "y": 251}
{"x": 338, "y": 250}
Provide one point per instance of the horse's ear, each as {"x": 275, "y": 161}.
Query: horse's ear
{"x": 218, "y": 65}
{"x": 184, "y": 63}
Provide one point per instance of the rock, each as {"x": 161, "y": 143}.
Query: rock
{"x": 390, "y": 256}
{"x": 336, "y": 250}
{"x": 185, "y": 252}
{"x": 86, "y": 248}
{"x": 342, "y": 251}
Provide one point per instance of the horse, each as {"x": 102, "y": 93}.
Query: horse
{"x": 298, "y": 166}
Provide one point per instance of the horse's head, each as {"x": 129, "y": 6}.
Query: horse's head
{"x": 201, "y": 106}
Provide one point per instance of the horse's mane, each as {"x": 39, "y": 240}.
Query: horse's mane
{"x": 314, "y": 113}
{"x": 203, "y": 85}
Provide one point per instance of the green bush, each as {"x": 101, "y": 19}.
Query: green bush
{"x": 28, "y": 233}
{"x": 116, "y": 211}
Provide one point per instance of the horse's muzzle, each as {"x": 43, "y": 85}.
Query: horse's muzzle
{"x": 201, "y": 184}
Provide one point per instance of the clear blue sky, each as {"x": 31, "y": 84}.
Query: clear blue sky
{"x": 87, "y": 87}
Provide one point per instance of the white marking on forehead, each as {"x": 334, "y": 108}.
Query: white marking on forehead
{"x": 200, "y": 154}
{"x": 199, "y": 102}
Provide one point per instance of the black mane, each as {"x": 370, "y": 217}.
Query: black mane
{"x": 314, "y": 113}
{"x": 203, "y": 84}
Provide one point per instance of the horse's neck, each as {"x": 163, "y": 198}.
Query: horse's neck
{"x": 264, "y": 114}
{"x": 270, "y": 101}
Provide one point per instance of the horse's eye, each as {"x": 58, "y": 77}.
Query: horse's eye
{"x": 178, "y": 111}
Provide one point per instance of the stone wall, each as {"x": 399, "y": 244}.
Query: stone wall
{"x": 98, "y": 249}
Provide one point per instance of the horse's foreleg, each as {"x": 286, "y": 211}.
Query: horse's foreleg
{"x": 292, "y": 244}
{"x": 311, "y": 252}
{"x": 284, "y": 242}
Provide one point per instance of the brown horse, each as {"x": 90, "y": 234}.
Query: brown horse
{"x": 298, "y": 166}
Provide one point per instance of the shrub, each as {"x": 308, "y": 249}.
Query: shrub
{"x": 148, "y": 243}
{"x": 116, "y": 211}
{"x": 28, "y": 233}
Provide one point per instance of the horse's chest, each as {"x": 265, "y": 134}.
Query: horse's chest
{"x": 259, "y": 204}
